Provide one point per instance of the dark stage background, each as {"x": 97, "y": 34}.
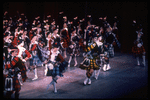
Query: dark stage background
{"x": 125, "y": 11}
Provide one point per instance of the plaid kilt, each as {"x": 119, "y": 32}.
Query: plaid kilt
{"x": 87, "y": 65}
{"x": 138, "y": 50}
{"x": 16, "y": 84}
{"x": 54, "y": 72}
{"x": 81, "y": 44}
{"x": 36, "y": 60}
{"x": 65, "y": 42}
{"x": 63, "y": 66}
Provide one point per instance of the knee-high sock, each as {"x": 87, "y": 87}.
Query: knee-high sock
{"x": 35, "y": 72}
{"x": 45, "y": 71}
{"x": 69, "y": 61}
{"x": 143, "y": 60}
{"x": 65, "y": 53}
{"x": 85, "y": 81}
{"x": 89, "y": 81}
{"x": 138, "y": 62}
{"x": 52, "y": 82}
{"x": 55, "y": 90}
{"x": 104, "y": 68}
{"x": 75, "y": 60}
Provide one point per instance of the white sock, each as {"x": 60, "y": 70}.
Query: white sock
{"x": 104, "y": 68}
{"x": 75, "y": 60}
{"x": 85, "y": 81}
{"x": 89, "y": 81}
{"x": 69, "y": 61}
{"x": 55, "y": 90}
{"x": 52, "y": 82}
{"x": 143, "y": 60}
{"x": 138, "y": 62}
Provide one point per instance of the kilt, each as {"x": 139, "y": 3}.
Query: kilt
{"x": 36, "y": 60}
{"x": 138, "y": 50}
{"x": 65, "y": 42}
{"x": 63, "y": 66}
{"x": 16, "y": 84}
{"x": 81, "y": 44}
{"x": 70, "y": 50}
{"x": 57, "y": 70}
{"x": 89, "y": 64}
{"x": 54, "y": 72}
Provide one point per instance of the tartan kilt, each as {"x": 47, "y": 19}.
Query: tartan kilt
{"x": 65, "y": 43}
{"x": 89, "y": 64}
{"x": 16, "y": 84}
{"x": 54, "y": 72}
{"x": 36, "y": 60}
{"x": 63, "y": 66}
{"x": 138, "y": 50}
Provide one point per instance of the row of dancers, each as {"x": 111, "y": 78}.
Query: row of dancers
{"x": 47, "y": 44}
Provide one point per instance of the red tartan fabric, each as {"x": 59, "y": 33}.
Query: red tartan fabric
{"x": 61, "y": 58}
{"x": 28, "y": 53}
{"x": 33, "y": 47}
{"x": 16, "y": 62}
{"x": 66, "y": 40}
{"x": 14, "y": 43}
{"x": 138, "y": 50}
{"x": 16, "y": 84}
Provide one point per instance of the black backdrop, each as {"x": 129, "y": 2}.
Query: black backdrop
{"x": 125, "y": 11}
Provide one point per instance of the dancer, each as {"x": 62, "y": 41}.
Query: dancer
{"x": 65, "y": 39}
{"x": 138, "y": 48}
{"x": 56, "y": 66}
{"x": 35, "y": 59}
{"x": 7, "y": 42}
{"x": 100, "y": 51}
{"x": 89, "y": 63}
{"x": 74, "y": 46}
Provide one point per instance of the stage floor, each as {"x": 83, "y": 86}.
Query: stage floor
{"x": 124, "y": 80}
